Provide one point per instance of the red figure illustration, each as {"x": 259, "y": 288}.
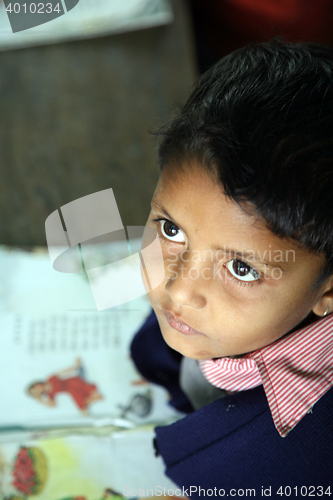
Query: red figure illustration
{"x": 71, "y": 381}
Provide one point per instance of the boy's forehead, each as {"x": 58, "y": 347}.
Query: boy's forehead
{"x": 197, "y": 194}
{"x": 191, "y": 172}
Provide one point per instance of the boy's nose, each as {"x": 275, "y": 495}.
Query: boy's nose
{"x": 185, "y": 284}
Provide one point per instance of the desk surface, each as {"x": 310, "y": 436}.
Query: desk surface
{"x": 75, "y": 119}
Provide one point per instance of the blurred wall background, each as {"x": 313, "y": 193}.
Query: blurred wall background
{"x": 74, "y": 117}
{"x": 222, "y": 26}
{"x": 74, "y": 120}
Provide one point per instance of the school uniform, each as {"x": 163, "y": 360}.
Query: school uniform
{"x": 273, "y": 438}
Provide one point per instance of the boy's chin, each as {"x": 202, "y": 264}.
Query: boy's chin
{"x": 183, "y": 348}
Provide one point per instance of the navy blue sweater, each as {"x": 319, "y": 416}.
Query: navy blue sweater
{"x": 232, "y": 444}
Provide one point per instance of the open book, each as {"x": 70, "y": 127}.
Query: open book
{"x": 76, "y": 418}
{"x": 63, "y": 363}
{"x": 82, "y": 464}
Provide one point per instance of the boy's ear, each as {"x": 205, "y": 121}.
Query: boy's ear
{"x": 324, "y": 304}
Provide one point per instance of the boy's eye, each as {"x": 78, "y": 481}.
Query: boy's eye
{"x": 242, "y": 271}
{"x": 171, "y": 232}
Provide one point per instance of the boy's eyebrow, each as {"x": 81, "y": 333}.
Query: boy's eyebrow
{"x": 231, "y": 252}
{"x": 163, "y": 211}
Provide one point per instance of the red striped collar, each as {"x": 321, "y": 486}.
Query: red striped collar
{"x": 295, "y": 371}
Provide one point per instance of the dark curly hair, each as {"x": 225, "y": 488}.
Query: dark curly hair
{"x": 262, "y": 119}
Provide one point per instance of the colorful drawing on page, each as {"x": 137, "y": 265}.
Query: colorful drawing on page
{"x": 29, "y": 471}
{"x": 72, "y": 381}
{"x": 140, "y": 405}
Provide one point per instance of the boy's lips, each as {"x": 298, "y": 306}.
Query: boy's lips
{"x": 179, "y": 325}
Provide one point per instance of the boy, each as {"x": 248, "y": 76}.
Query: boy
{"x": 244, "y": 213}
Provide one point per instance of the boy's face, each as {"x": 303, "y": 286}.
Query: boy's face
{"x": 230, "y": 285}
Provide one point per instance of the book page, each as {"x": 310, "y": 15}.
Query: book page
{"x": 89, "y": 465}
{"x": 63, "y": 362}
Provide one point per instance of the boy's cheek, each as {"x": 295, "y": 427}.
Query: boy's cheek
{"x": 155, "y": 297}
{"x": 144, "y": 277}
